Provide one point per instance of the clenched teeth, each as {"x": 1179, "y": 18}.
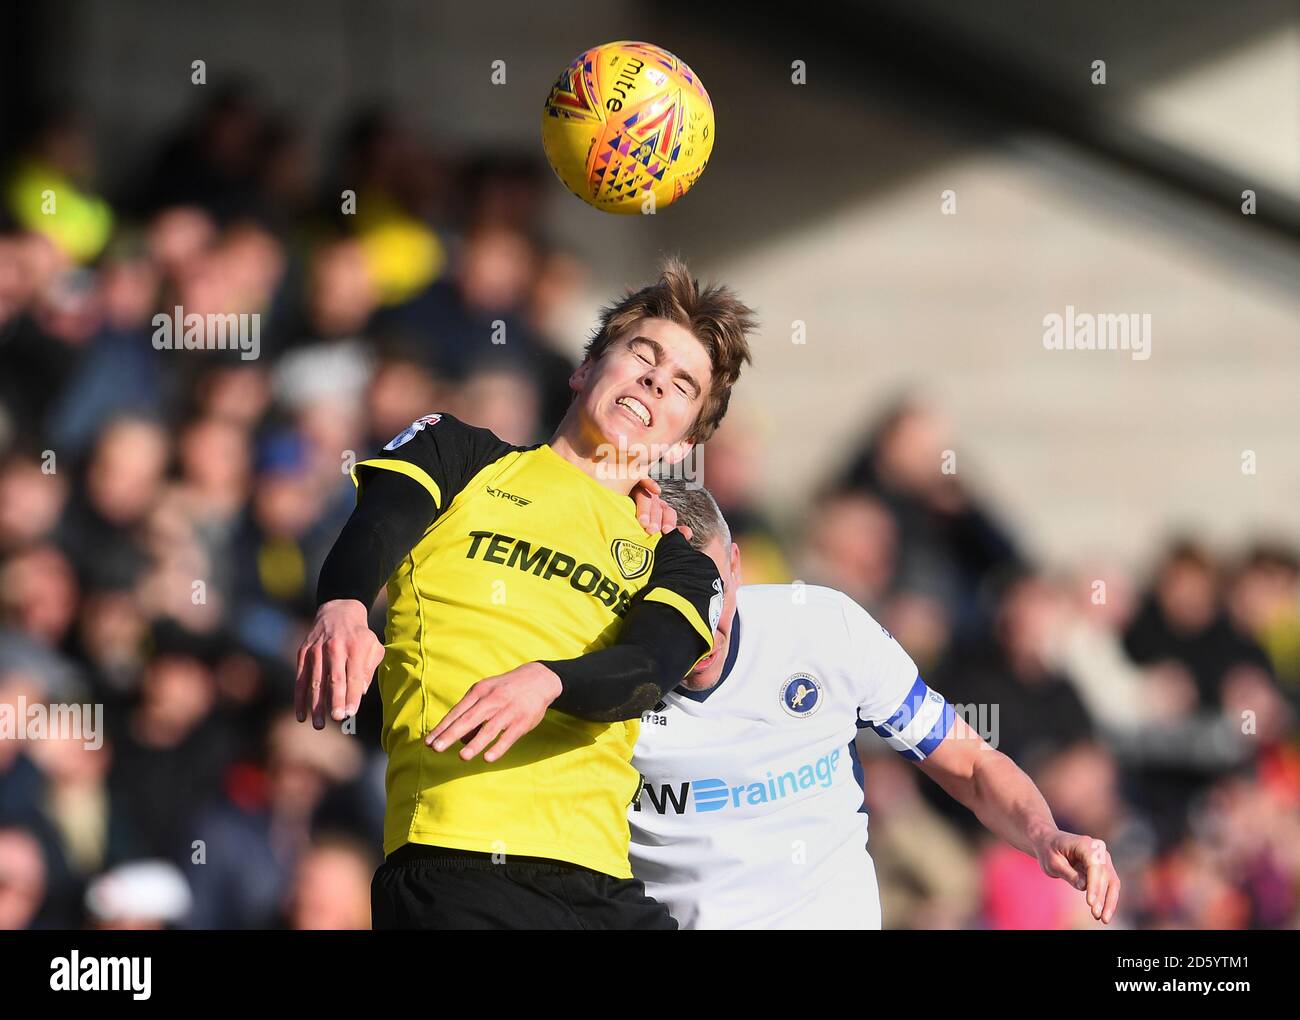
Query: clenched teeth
{"x": 637, "y": 408}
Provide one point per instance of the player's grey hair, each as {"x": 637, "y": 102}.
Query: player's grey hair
{"x": 697, "y": 509}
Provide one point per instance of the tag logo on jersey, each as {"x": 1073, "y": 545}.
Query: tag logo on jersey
{"x": 633, "y": 560}
{"x": 502, "y": 494}
{"x": 715, "y": 605}
{"x": 801, "y": 695}
{"x": 410, "y": 432}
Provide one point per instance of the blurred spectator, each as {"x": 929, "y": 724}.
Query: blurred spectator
{"x": 1264, "y": 602}
{"x": 77, "y": 802}
{"x": 341, "y": 294}
{"x": 1018, "y": 895}
{"x": 22, "y": 878}
{"x": 112, "y": 640}
{"x": 102, "y": 527}
{"x": 50, "y": 189}
{"x": 46, "y": 338}
{"x": 213, "y": 161}
{"x": 1182, "y": 621}
{"x": 1088, "y": 647}
{"x": 402, "y": 388}
{"x": 256, "y": 835}
{"x": 948, "y": 544}
{"x": 172, "y": 748}
{"x": 38, "y": 594}
{"x": 140, "y": 896}
{"x": 177, "y": 237}
{"x": 853, "y": 548}
{"x": 502, "y": 397}
{"x": 1012, "y": 674}
{"x": 478, "y": 316}
{"x": 278, "y": 549}
{"x": 733, "y": 473}
{"x": 215, "y": 477}
{"x": 239, "y": 393}
{"x": 386, "y": 185}
{"x": 925, "y": 869}
{"x": 118, "y": 373}
{"x": 504, "y": 190}
{"x": 331, "y": 891}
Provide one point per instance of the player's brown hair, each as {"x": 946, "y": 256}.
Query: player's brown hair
{"x": 714, "y": 314}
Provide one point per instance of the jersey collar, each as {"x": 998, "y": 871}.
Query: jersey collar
{"x": 624, "y": 504}
{"x": 733, "y": 650}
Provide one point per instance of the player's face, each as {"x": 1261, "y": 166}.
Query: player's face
{"x": 642, "y": 395}
{"x": 709, "y": 669}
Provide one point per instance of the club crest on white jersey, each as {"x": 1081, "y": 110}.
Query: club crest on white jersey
{"x": 801, "y": 695}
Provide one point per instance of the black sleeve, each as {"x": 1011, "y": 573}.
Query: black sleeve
{"x": 687, "y": 580}
{"x": 440, "y": 452}
{"x": 392, "y": 513}
{"x": 668, "y": 628}
{"x": 656, "y": 649}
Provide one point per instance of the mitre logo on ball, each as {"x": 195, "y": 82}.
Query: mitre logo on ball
{"x": 628, "y": 127}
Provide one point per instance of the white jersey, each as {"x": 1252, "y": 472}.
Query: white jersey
{"x": 750, "y": 812}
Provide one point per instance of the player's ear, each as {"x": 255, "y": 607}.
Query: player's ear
{"x": 579, "y": 377}
{"x": 735, "y": 564}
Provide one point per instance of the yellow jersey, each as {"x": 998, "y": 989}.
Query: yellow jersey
{"x": 528, "y": 558}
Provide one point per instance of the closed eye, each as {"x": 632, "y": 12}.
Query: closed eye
{"x": 687, "y": 386}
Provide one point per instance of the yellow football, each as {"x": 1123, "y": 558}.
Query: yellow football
{"x": 628, "y": 127}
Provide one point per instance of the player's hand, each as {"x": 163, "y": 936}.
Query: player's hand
{"x": 502, "y": 708}
{"x": 336, "y": 661}
{"x": 1085, "y": 863}
{"x": 655, "y": 515}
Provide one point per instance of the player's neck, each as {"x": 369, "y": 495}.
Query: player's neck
{"x": 592, "y": 460}
{"x": 592, "y": 456}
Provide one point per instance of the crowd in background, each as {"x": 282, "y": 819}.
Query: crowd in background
{"x": 164, "y": 514}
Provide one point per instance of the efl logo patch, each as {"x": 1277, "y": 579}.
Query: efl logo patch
{"x": 801, "y": 695}
{"x": 409, "y": 433}
{"x": 715, "y": 604}
{"x": 633, "y": 560}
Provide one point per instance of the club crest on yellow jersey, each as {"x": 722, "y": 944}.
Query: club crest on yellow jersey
{"x": 633, "y": 560}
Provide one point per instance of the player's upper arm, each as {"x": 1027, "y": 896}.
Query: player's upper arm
{"x": 894, "y": 700}
{"x": 686, "y": 580}
{"x": 439, "y": 452}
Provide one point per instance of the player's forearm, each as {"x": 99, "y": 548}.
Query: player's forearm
{"x": 609, "y": 685}
{"x": 1007, "y": 802}
{"x": 656, "y": 649}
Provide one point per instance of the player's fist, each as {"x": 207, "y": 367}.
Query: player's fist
{"x": 336, "y": 661}
{"x": 656, "y": 516}
{"x": 1085, "y": 863}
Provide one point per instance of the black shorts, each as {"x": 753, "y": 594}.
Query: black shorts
{"x": 439, "y": 889}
